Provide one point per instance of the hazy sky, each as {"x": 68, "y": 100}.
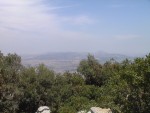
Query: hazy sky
{"x": 41, "y": 26}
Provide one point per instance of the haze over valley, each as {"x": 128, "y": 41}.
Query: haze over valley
{"x": 69, "y": 61}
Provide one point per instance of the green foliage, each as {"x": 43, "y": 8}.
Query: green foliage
{"x": 10, "y": 67}
{"x": 92, "y": 71}
{"x": 129, "y": 88}
{"x": 124, "y": 87}
{"x": 67, "y": 109}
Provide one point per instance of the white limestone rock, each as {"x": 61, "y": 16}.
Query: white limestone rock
{"x": 100, "y": 110}
{"x": 43, "y": 109}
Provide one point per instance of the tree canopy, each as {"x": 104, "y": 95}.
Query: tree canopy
{"x": 123, "y": 87}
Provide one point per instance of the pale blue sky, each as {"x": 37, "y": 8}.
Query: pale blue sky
{"x": 41, "y": 26}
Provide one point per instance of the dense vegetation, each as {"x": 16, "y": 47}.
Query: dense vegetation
{"x": 123, "y": 87}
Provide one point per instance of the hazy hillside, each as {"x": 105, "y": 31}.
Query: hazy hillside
{"x": 67, "y": 61}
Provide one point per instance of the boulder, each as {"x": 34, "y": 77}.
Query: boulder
{"x": 43, "y": 109}
{"x": 99, "y": 110}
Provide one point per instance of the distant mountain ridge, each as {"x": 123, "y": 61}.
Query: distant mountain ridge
{"x": 60, "y": 56}
{"x": 68, "y": 61}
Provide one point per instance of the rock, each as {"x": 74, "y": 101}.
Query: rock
{"x": 43, "y": 109}
{"x": 100, "y": 110}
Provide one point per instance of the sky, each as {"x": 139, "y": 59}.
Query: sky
{"x": 43, "y": 26}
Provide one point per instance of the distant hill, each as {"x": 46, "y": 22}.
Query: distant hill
{"x": 68, "y": 61}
